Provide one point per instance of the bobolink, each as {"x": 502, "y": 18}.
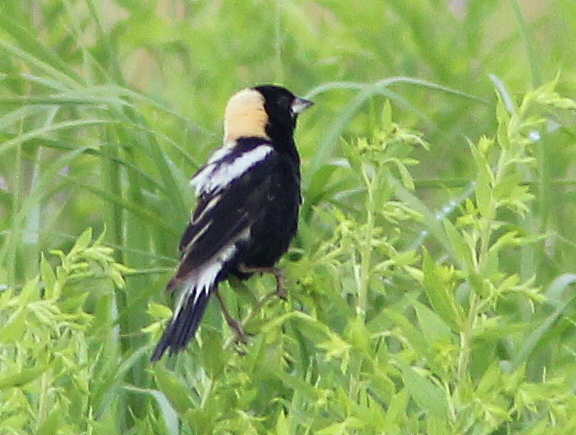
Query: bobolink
{"x": 247, "y": 211}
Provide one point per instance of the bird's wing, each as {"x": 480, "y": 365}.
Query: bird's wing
{"x": 233, "y": 195}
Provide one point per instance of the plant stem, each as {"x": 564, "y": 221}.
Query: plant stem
{"x": 371, "y": 184}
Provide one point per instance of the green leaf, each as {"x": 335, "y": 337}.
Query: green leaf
{"x": 51, "y": 424}
{"x": 484, "y": 180}
{"x": 397, "y": 411}
{"x": 49, "y": 278}
{"x": 82, "y": 241}
{"x": 213, "y": 356}
{"x": 282, "y": 426}
{"x": 459, "y": 246}
{"x": 503, "y": 118}
{"x": 427, "y": 395}
{"x": 434, "y": 328}
{"x": 158, "y": 311}
{"x": 174, "y": 389}
{"x": 20, "y": 379}
{"x": 387, "y": 117}
{"x": 441, "y": 292}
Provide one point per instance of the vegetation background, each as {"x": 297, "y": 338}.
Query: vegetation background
{"x": 431, "y": 284}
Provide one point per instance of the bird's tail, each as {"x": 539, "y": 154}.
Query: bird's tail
{"x": 189, "y": 311}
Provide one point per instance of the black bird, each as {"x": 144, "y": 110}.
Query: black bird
{"x": 247, "y": 211}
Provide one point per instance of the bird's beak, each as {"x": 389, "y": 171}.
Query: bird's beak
{"x": 300, "y": 104}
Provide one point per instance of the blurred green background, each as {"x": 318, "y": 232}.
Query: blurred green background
{"x": 107, "y": 107}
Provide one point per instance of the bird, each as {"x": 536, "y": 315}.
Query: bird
{"x": 248, "y": 200}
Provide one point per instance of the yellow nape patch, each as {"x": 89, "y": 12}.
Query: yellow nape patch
{"x": 245, "y": 116}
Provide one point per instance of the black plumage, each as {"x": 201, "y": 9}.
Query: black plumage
{"x": 247, "y": 211}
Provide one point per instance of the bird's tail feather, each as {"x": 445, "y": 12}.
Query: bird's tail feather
{"x": 185, "y": 322}
{"x": 196, "y": 286}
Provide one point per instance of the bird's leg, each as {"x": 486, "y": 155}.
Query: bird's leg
{"x": 232, "y": 323}
{"x": 276, "y": 271}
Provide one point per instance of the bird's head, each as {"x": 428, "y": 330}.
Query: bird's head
{"x": 265, "y": 111}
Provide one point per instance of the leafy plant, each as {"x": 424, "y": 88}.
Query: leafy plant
{"x": 429, "y": 298}
{"x": 59, "y": 346}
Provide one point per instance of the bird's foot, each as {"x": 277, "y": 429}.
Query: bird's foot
{"x": 235, "y": 325}
{"x": 281, "y": 285}
{"x": 240, "y": 335}
{"x": 278, "y": 274}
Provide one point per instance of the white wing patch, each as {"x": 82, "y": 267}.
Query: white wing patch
{"x": 217, "y": 174}
{"x": 211, "y": 204}
{"x": 202, "y": 279}
{"x": 220, "y": 153}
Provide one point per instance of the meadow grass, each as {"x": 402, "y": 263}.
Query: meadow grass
{"x": 430, "y": 284}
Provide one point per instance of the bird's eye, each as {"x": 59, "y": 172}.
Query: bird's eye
{"x": 284, "y": 103}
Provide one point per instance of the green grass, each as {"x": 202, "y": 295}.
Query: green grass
{"x": 431, "y": 282}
